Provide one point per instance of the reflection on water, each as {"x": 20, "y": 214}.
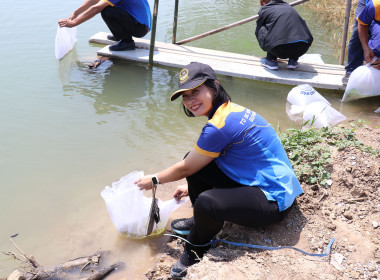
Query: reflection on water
{"x": 66, "y": 132}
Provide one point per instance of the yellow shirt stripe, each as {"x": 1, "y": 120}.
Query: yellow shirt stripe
{"x": 205, "y": 153}
{"x": 219, "y": 117}
{"x": 109, "y": 2}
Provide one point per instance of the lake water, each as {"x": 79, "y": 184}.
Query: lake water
{"x": 66, "y": 133}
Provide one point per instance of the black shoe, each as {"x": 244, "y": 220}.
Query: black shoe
{"x": 183, "y": 226}
{"x": 178, "y": 270}
{"x": 346, "y": 78}
{"x": 292, "y": 64}
{"x": 123, "y": 46}
{"x": 112, "y": 38}
{"x": 270, "y": 64}
{"x": 188, "y": 258}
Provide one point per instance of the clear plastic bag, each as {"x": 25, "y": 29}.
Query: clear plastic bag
{"x": 307, "y": 104}
{"x": 64, "y": 41}
{"x": 363, "y": 82}
{"x": 302, "y": 95}
{"x": 129, "y": 209}
{"x": 321, "y": 114}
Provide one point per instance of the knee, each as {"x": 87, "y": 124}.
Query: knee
{"x": 205, "y": 205}
{"x": 106, "y": 12}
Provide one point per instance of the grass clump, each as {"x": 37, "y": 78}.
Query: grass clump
{"x": 309, "y": 150}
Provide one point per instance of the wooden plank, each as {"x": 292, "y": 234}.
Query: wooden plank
{"x": 328, "y": 76}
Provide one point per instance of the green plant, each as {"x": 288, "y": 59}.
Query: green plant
{"x": 309, "y": 149}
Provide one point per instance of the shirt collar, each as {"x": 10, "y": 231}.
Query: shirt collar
{"x": 213, "y": 110}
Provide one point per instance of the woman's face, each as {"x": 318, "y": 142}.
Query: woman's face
{"x": 198, "y": 100}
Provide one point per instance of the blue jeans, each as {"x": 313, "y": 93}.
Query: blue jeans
{"x": 355, "y": 49}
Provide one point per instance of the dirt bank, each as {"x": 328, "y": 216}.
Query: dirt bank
{"x": 347, "y": 210}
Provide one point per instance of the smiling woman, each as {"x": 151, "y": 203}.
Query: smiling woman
{"x": 237, "y": 172}
{"x": 198, "y": 101}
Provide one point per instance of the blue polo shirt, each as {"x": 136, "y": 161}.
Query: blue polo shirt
{"x": 247, "y": 149}
{"x": 138, "y": 9}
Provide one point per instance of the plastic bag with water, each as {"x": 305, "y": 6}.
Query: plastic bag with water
{"x": 307, "y": 102}
{"x": 321, "y": 114}
{"x": 65, "y": 40}
{"x": 129, "y": 209}
{"x": 301, "y": 96}
{"x": 363, "y": 82}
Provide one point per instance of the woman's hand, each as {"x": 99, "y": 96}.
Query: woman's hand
{"x": 180, "y": 192}
{"x": 65, "y": 23}
{"x": 145, "y": 182}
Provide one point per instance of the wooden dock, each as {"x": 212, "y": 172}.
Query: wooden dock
{"x": 327, "y": 76}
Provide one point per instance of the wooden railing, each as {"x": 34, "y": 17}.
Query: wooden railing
{"x": 238, "y": 23}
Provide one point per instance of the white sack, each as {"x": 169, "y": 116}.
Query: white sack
{"x": 302, "y": 95}
{"x": 321, "y": 114}
{"x": 363, "y": 82}
{"x": 129, "y": 209}
{"x": 64, "y": 41}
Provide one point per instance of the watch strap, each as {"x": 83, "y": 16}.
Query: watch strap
{"x": 155, "y": 180}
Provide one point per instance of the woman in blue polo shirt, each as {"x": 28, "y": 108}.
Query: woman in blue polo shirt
{"x": 238, "y": 170}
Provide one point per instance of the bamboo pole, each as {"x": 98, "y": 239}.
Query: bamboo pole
{"x": 153, "y": 35}
{"x": 345, "y": 31}
{"x": 174, "y": 37}
{"x": 211, "y": 32}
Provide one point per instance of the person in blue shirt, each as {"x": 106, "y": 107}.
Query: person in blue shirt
{"x": 238, "y": 170}
{"x": 124, "y": 18}
{"x": 355, "y": 50}
{"x": 369, "y": 22}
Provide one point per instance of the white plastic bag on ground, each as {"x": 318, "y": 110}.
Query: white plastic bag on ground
{"x": 302, "y": 95}
{"x": 363, "y": 82}
{"x": 129, "y": 209}
{"x": 64, "y": 41}
{"x": 321, "y": 114}
{"x": 306, "y": 103}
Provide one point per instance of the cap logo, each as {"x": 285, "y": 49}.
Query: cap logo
{"x": 183, "y": 75}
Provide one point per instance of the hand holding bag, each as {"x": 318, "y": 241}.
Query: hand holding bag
{"x": 133, "y": 214}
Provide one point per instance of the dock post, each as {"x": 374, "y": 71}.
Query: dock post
{"x": 153, "y": 35}
{"x": 174, "y": 37}
{"x": 345, "y": 32}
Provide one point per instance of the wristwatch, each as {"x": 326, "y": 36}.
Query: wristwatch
{"x": 155, "y": 180}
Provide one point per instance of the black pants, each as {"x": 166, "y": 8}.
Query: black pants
{"x": 292, "y": 51}
{"x": 216, "y": 198}
{"x": 122, "y": 25}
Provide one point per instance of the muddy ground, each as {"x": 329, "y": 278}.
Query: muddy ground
{"x": 348, "y": 210}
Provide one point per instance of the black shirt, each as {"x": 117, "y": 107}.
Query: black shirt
{"x": 279, "y": 24}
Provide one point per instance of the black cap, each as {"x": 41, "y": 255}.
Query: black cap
{"x": 192, "y": 76}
